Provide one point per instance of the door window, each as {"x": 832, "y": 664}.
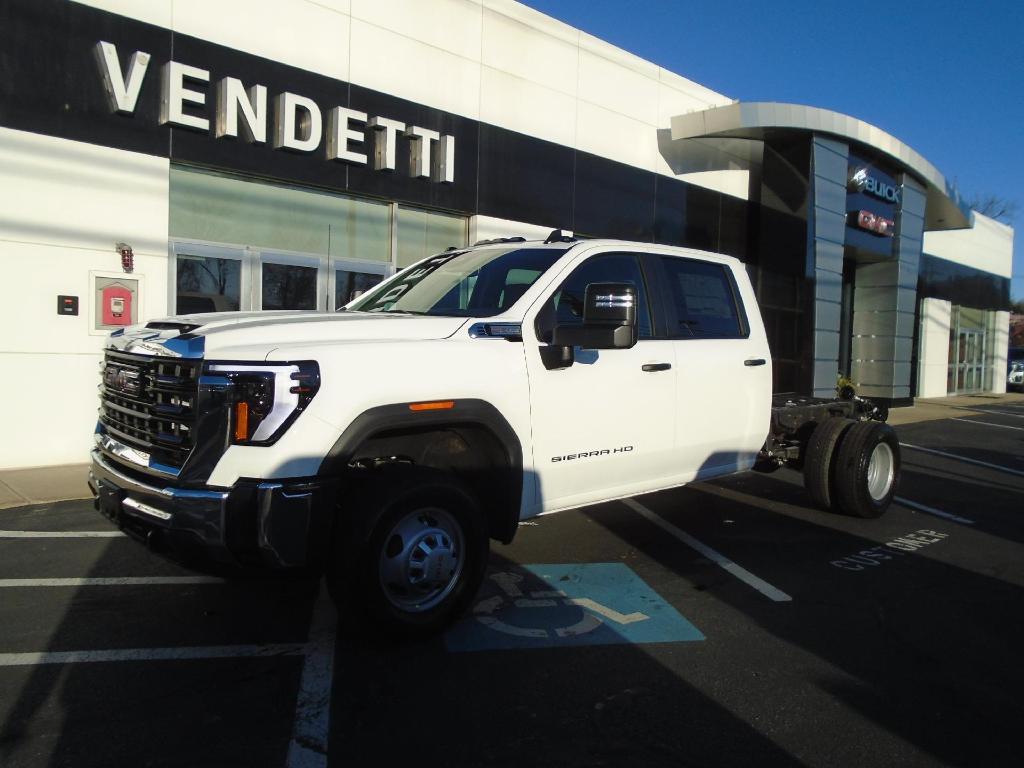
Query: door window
{"x": 702, "y": 300}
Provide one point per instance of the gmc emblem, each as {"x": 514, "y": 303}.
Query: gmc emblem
{"x": 122, "y": 380}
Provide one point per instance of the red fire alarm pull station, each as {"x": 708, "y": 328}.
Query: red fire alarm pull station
{"x": 116, "y": 305}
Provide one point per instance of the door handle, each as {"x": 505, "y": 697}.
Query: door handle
{"x": 754, "y": 361}
{"x": 651, "y": 367}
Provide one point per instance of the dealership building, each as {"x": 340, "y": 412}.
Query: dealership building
{"x": 170, "y": 156}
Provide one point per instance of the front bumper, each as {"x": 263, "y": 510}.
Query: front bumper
{"x": 281, "y": 523}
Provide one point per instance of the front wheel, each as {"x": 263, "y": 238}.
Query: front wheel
{"x": 867, "y": 469}
{"x": 421, "y": 557}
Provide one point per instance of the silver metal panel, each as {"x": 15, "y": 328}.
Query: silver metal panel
{"x": 828, "y": 256}
{"x": 828, "y": 286}
{"x": 877, "y": 349}
{"x": 829, "y": 195}
{"x": 830, "y": 225}
{"x": 826, "y": 345}
{"x": 874, "y": 323}
{"x": 826, "y": 314}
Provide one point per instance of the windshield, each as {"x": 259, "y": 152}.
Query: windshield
{"x": 462, "y": 283}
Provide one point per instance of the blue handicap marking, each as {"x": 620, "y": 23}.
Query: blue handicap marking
{"x": 554, "y": 605}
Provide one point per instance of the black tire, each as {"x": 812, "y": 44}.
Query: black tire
{"x": 819, "y": 461}
{"x": 867, "y": 469}
{"x": 393, "y": 519}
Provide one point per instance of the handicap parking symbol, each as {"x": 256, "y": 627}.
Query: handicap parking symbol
{"x": 551, "y": 605}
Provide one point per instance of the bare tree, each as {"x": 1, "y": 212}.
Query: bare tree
{"x": 995, "y": 207}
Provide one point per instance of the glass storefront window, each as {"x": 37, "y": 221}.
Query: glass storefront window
{"x": 288, "y": 286}
{"x": 207, "y": 284}
{"x": 222, "y": 209}
{"x": 347, "y": 284}
{"x": 425, "y": 233}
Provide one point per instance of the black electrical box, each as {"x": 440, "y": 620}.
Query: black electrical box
{"x": 67, "y": 305}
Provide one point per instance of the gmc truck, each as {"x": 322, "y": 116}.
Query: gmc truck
{"x": 387, "y": 443}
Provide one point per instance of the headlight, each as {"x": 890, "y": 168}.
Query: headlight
{"x": 265, "y": 398}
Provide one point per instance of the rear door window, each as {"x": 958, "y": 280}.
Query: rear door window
{"x": 702, "y": 300}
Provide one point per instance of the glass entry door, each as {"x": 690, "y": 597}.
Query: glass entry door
{"x": 967, "y": 362}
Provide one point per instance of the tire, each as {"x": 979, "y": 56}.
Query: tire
{"x": 819, "y": 461}
{"x": 412, "y": 555}
{"x": 867, "y": 469}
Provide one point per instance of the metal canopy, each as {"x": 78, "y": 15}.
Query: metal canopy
{"x": 751, "y": 120}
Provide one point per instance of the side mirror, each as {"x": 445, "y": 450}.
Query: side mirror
{"x": 609, "y": 319}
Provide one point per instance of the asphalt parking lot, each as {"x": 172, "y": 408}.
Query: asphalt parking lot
{"x": 719, "y": 624}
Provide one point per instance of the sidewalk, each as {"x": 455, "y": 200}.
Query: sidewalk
{"x": 40, "y": 485}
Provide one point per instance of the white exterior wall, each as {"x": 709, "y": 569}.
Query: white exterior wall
{"x": 933, "y": 349}
{"x": 497, "y": 61}
{"x": 64, "y": 205}
{"x": 987, "y": 245}
{"x": 1000, "y": 335}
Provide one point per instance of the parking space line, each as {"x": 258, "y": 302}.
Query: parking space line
{"x": 60, "y": 534}
{"x": 989, "y": 424}
{"x": 311, "y": 728}
{"x": 931, "y": 510}
{"x": 151, "y": 654}
{"x": 963, "y": 459}
{"x": 741, "y": 573}
{"x": 118, "y": 581}
{"x": 1001, "y": 413}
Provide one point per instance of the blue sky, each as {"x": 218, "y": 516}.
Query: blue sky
{"x": 947, "y": 78}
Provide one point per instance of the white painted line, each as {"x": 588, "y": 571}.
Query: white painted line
{"x": 60, "y": 534}
{"x": 932, "y": 510}
{"x": 118, "y": 581}
{"x": 762, "y": 586}
{"x": 311, "y": 728}
{"x": 1001, "y": 413}
{"x": 150, "y": 654}
{"x": 989, "y": 424}
{"x": 963, "y": 459}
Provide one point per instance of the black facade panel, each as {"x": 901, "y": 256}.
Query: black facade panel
{"x": 50, "y": 80}
{"x": 670, "y": 210}
{"x": 525, "y": 179}
{"x": 733, "y": 226}
{"x": 613, "y": 199}
{"x": 703, "y": 208}
{"x": 961, "y": 285}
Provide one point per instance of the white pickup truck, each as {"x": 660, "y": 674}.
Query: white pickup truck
{"x": 388, "y": 442}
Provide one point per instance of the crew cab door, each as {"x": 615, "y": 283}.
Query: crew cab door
{"x": 603, "y": 427}
{"x": 724, "y": 376}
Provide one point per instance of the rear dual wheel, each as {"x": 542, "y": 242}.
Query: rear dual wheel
{"x": 852, "y": 467}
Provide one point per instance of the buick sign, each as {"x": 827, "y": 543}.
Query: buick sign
{"x": 862, "y": 181}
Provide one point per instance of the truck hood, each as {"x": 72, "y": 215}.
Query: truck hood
{"x": 208, "y": 334}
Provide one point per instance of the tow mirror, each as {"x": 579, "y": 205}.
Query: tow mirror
{"x": 609, "y": 319}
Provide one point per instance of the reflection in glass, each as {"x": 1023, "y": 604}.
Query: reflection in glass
{"x": 347, "y": 284}
{"x": 286, "y": 286}
{"x": 207, "y": 284}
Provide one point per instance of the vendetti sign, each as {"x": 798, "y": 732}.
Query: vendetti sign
{"x": 289, "y": 122}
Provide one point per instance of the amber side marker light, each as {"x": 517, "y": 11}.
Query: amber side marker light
{"x": 241, "y": 421}
{"x": 436, "y": 405}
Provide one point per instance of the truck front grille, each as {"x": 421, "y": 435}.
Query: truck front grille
{"x": 149, "y": 403}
